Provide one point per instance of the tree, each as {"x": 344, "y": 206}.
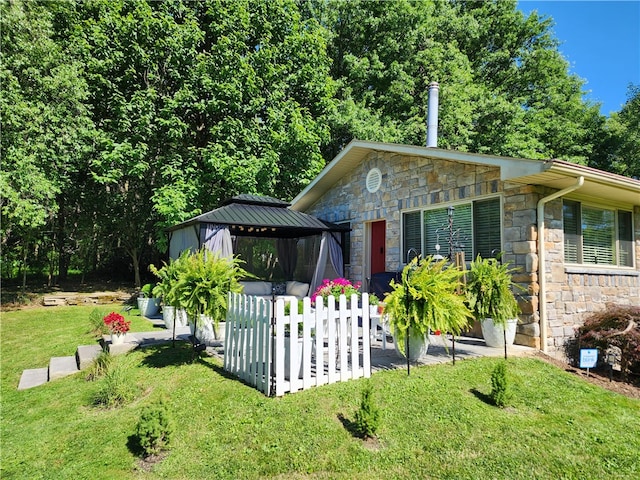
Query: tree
{"x": 196, "y": 102}
{"x": 504, "y": 87}
{"x": 619, "y": 151}
{"x": 46, "y": 131}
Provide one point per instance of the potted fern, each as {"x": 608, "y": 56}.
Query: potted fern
{"x": 168, "y": 275}
{"x": 490, "y": 297}
{"x": 202, "y": 287}
{"x": 147, "y": 303}
{"x": 426, "y": 300}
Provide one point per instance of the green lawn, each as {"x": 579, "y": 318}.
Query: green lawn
{"x": 435, "y": 423}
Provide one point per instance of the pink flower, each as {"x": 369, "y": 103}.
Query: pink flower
{"x": 335, "y": 287}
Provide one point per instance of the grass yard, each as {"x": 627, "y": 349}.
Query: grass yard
{"x": 434, "y": 424}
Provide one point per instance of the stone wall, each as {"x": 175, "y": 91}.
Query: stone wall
{"x": 573, "y": 292}
{"x": 412, "y": 183}
{"x": 415, "y": 182}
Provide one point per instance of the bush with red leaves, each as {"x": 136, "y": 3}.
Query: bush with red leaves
{"x": 616, "y": 326}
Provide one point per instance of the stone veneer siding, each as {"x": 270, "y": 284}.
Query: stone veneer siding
{"x": 574, "y": 291}
{"x": 410, "y": 183}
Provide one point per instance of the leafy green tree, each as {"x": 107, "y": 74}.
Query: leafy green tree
{"x": 196, "y": 102}
{"x": 504, "y": 87}
{"x": 619, "y": 151}
{"x": 46, "y": 132}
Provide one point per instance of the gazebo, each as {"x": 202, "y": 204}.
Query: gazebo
{"x": 262, "y": 217}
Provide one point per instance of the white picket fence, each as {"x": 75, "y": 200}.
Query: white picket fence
{"x": 325, "y": 344}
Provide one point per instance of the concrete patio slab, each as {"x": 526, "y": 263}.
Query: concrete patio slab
{"x": 465, "y": 347}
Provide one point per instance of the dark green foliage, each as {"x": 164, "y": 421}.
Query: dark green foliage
{"x": 504, "y": 87}
{"x": 368, "y": 415}
{"x": 500, "y": 385}
{"x": 120, "y": 118}
{"x": 616, "y": 326}
{"x": 154, "y": 430}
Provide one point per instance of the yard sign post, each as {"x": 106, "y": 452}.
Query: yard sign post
{"x": 588, "y": 358}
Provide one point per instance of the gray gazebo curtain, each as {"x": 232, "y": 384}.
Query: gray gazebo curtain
{"x": 287, "y": 255}
{"x": 335, "y": 254}
{"x": 217, "y": 238}
{"x": 329, "y": 248}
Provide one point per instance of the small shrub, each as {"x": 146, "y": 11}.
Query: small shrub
{"x": 499, "y": 385}
{"x": 100, "y": 366}
{"x": 97, "y": 327}
{"x": 117, "y": 388}
{"x": 154, "y": 429}
{"x": 368, "y": 415}
{"x": 617, "y": 326}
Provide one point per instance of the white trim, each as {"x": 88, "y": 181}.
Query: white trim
{"x": 550, "y": 173}
{"x": 542, "y": 270}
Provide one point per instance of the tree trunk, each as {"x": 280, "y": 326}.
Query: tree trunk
{"x": 24, "y": 266}
{"x": 135, "y": 257}
{"x": 63, "y": 259}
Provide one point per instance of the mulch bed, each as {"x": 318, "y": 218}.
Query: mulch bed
{"x": 629, "y": 387}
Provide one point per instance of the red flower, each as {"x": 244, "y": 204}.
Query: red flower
{"x": 116, "y": 323}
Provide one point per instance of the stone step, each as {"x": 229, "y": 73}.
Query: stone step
{"x": 33, "y": 378}
{"x": 86, "y": 354}
{"x": 62, "y": 366}
{"x": 121, "y": 347}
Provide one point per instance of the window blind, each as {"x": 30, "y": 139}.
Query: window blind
{"x": 625, "y": 239}
{"x": 598, "y": 240}
{"x": 486, "y": 228}
{"x": 412, "y": 232}
{"x": 571, "y": 228}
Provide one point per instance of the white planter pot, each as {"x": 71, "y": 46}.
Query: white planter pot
{"x": 169, "y": 316}
{"x": 182, "y": 318}
{"x": 417, "y": 347}
{"x": 172, "y": 314}
{"x": 205, "y": 332}
{"x": 148, "y": 306}
{"x": 494, "y": 335}
{"x": 117, "y": 339}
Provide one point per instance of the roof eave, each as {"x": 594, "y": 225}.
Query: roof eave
{"x": 551, "y": 173}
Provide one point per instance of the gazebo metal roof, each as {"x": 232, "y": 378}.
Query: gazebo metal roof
{"x": 252, "y": 215}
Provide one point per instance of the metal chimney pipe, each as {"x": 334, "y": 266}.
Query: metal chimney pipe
{"x": 432, "y": 115}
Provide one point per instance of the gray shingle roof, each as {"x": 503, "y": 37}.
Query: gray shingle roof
{"x": 252, "y": 215}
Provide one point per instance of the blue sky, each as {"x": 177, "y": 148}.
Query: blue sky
{"x": 601, "y": 42}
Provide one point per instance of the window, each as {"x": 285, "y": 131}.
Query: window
{"x": 476, "y": 229}
{"x": 597, "y": 236}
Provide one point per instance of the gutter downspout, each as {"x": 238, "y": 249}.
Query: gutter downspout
{"x": 542, "y": 281}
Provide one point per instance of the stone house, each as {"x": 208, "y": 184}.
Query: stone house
{"x": 572, "y": 231}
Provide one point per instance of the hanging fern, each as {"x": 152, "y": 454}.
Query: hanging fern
{"x": 427, "y": 299}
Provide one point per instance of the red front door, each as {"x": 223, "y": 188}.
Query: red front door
{"x": 378, "y": 246}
